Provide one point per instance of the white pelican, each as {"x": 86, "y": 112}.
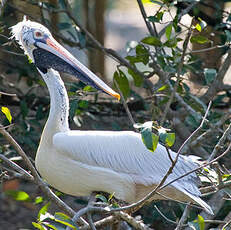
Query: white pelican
{"x": 80, "y": 162}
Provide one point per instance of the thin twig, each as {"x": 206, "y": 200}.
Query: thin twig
{"x": 185, "y": 11}
{"x": 16, "y": 167}
{"x": 90, "y": 221}
{"x": 125, "y": 105}
{"x": 132, "y": 221}
{"x": 207, "y": 49}
{"x": 220, "y": 142}
{"x": 200, "y": 167}
{"x": 165, "y": 217}
{"x": 183, "y": 218}
{"x": 211, "y": 130}
{"x": 200, "y": 126}
{"x": 148, "y": 24}
{"x": 8, "y": 94}
{"x": 211, "y": 189}
{"x": 179, "y": 70}
{"x": 100, "y": 223}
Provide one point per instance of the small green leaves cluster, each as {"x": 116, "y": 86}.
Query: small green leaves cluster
{"x": 58, "y": 221}
{"x": 151, "y": 134}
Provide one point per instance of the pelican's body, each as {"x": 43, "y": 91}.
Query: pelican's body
{"x": 80, "y": 162}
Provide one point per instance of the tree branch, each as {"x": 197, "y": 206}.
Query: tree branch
{"x": 148, "y": 24}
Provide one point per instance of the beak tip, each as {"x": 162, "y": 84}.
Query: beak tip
{"x": 117, "y": 96}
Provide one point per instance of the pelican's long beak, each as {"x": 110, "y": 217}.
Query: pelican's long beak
{"x": 67, "y": 63}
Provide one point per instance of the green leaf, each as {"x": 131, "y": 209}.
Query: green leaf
{"x": 83, "y": 104}
{"x": 138, "y": 80}
{"x": 210, "y": 75}
{"x": 199, "y": 39}
{"x": 154, "y": 41}
{"x": 18, "y": 195}
{"x": 175, "y": 22}
{"x": 65, "y": 220}
{"x": 142, "y": 54}
{"x": 122, "y": 82}
{"x": 201, "y": 222}
{"x": 88, "y": 88}
{"x": 149, "y": 139}
{"x": 168, "y": 31}
{"x": 7, "y": 113}
{"x": 38, "y": 226}
{"x": 198, "y": 27}
{"x": 157, "y": 18}
{"x": 171, "y": 43}
{"x": 38, "y": 200}
{"x": 29, "y": 59}
{"x": 102, "y": 198}
{"x": 43, "y": 210}
{"x": 60, "y": 215}
{"x": 111, "y": 196}
{"x": 170, "y": 139}
{"x": 201, "y": 25}
{"x": 164, "y": 87}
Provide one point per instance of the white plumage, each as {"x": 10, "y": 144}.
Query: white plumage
{"x": 80, "y": 162}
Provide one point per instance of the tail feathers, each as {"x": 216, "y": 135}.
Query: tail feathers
{"x": 199, "y": 201}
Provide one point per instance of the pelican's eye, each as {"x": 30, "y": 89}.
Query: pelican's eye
{"x": 38, "y": 34}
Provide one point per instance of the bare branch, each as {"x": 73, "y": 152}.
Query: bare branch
{"x": 211, "y": 130}
{"x": 220, "y": 142}
{"x": 125, "y": 105}
{"x": 8, "y": 94}
{"x": 100, "y": 223}
{"x": 132, "y": 221}
{"x": 148, "y": 24}
{"x": 16, "y": 167}
{"x": 179, "y": 70}
{"x": 202, "y": 166}
{"x": 183, "y": 218}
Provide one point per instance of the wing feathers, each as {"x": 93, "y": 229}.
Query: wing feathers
{"x": 125, "y": 153}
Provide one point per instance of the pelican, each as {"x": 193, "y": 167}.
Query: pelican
{"x": 81, "y": 162}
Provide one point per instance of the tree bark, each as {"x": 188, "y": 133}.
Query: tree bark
{"x": 94, "y": 20}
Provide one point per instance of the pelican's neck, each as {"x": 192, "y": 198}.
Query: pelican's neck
{"x": 59, "y": 103}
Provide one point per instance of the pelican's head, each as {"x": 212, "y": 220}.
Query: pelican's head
{"x": 38, "y": 43}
